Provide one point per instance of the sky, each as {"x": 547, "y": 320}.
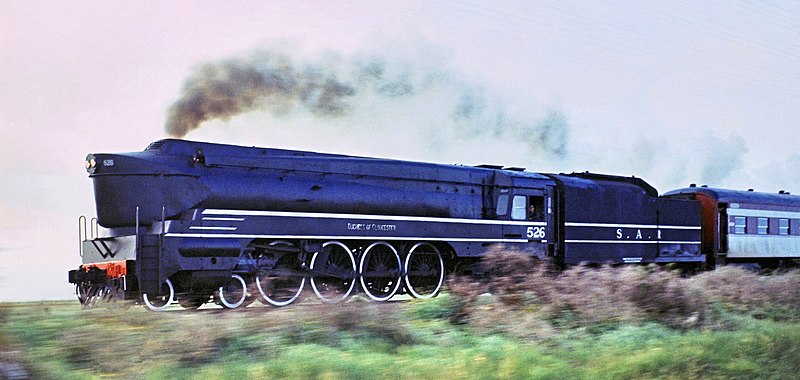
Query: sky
{"x": 675, "y": 92}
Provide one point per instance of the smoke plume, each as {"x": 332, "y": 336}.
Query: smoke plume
{"x": 723, "y": 157}
{"x": 225, "y": 89}
{"x": 382, "y": 105}
{"x": 356, "y": 89}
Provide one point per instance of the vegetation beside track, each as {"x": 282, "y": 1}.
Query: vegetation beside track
{"x": 615, "y": 323}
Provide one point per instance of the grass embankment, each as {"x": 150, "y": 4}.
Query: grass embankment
{"x": 615, "y": 323}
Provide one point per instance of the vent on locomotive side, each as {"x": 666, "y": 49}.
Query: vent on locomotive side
{"x": 156, "y": 145}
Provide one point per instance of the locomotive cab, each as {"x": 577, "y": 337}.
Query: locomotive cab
{"x": 528, "y": 206}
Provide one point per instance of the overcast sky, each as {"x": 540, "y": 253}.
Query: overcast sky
{"x": 675, "y": 92}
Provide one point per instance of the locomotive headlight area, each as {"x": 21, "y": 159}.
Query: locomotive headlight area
{"x": 91, "y": 164}
{"x": 244, "y": 224}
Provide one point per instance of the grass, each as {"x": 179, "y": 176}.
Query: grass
{"x": 61, "y": 341}
{"x": 585, "y": 323}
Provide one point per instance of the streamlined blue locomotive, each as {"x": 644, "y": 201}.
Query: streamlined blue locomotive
{"x": 193, "y": 222}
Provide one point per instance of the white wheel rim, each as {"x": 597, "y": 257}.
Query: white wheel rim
{"x": 352, "y": 283}
{"x": 408, "y": 281}
{"x": 240, "y": 301}
{"x": 167, "y": 304}
{"x": 279, "y": 303}
{"x": 264, "y": 294}
{"x": 361, "y": 270}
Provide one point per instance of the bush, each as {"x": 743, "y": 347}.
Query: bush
{"x": 775, "y": 296}
{"x": 578, "y": 296}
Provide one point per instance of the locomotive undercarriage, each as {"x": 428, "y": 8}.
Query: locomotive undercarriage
{"x": 275, "y": 272}
{"x": 95, "y": 294}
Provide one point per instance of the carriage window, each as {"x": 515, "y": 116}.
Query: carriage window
{"x": 502, "y": 204}
{"x": 783, "y": 226}
{"x": 518, "y": 211}
{"x": 763, "y": 226}
{"x": 739, "y": 225}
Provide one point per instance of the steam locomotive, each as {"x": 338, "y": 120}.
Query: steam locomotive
{"x": 193, "y": 222}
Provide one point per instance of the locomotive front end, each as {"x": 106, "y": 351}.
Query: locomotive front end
{"x": 135, "y": 194}
{"x": 154, "y": 184}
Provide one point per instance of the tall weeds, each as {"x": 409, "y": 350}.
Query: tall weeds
{"x": 775, "y": 296}
{"x": 515, "y": 288}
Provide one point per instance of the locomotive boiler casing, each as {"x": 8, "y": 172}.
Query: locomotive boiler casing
{"x": 178, "y": 176}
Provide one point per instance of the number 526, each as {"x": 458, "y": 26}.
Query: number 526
{"x": 535, "y": 233}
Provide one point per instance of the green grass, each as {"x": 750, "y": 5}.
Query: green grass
{"x": 360, "y": 340}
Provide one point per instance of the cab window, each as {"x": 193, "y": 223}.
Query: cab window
{"x": 535, "y": 208}
{"x": 502, "y": 204}
{"x": 518, "y": 208}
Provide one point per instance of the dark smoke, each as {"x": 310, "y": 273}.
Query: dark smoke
{"x": 335, "y": 88}
{"x": 228, "y": 88}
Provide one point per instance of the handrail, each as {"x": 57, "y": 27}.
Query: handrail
{"x": 81, "y": 233}
{"x": 136, "y": 245}
{"x": 94, "y": 229}
{"x": 163, "y": 230}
